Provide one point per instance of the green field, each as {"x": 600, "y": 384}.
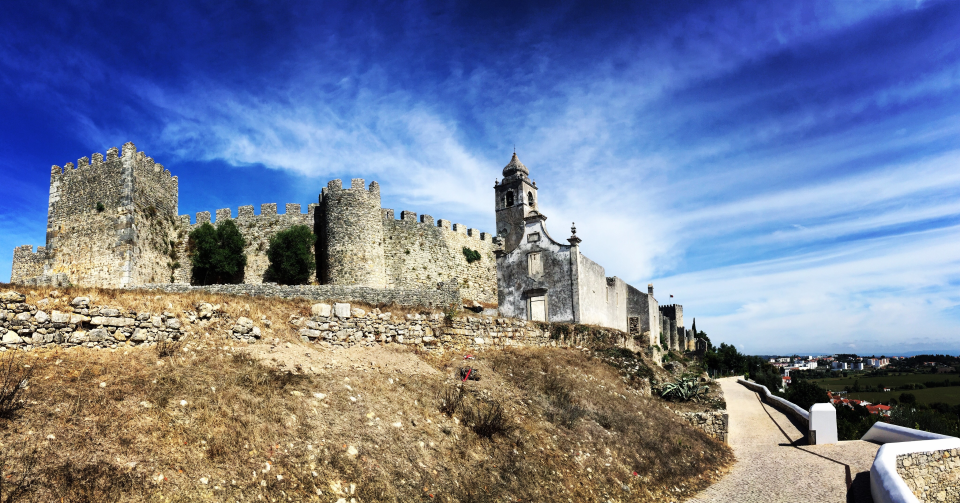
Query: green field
{"x": 950, "y": 395}
{"x": 890, "y": 381}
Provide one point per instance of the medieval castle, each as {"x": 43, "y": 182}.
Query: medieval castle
{"x": 112, "y": 222}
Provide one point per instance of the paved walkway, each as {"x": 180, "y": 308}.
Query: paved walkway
{"x": 774, "y": 462}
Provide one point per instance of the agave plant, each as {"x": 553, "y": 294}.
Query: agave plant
{"x": 683, "y": 389}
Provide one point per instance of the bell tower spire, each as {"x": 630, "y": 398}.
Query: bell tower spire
{"x": 516, "y": 199}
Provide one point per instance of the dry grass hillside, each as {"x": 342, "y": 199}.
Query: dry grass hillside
{"x": 286, "y": 421}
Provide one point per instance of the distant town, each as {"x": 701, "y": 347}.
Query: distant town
{"x": 876, "y": 382}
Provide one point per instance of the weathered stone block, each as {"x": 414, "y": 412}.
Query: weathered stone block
{"x": 341, "y": 310}
{"x": 97, "y": 335}
{"x": 110, "y": 312}
{"x": 320, "y": 310}
{"x": 11, "y": 297}
{"x": 174, "y": 323}
{"x": 10, "y": 338}
{"x": 58, "y": 317}
{"x": 306, "y": 332}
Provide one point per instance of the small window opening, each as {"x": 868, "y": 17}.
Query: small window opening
{"x": 530, "y": 198}
{"x": 509, "y": 198}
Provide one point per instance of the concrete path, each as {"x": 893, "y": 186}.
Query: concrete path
{"x": 774, "y": 462}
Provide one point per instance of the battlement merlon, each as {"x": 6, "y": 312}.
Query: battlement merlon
{"x": 356, "y": 184}
{"x": 410, "y": 217}
{"x": 267, "y": 210}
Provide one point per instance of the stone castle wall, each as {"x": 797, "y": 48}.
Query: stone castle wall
{"x": 88, "y": 220}
{"x": 27, "y": 263}
{"x": 113, "y": 223}
{"x": 158, "y": 231}
{"x": 421, "y": 253}
{"x": 108, "y": 222}
{"x": 256, "y": 230}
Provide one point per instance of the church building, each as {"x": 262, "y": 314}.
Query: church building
{"x": 542, "y": 279}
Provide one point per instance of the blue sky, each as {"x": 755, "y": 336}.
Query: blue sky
{"x": 787, "y": 170}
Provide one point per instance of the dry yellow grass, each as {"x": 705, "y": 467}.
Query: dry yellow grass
{"x": 213, "y": 423}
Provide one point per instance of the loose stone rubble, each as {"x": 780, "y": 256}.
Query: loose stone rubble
{"x": 245, "y": 330}
{"x": 25, "y": 326}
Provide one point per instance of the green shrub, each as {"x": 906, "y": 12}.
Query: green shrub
{"x": 291, "y": 259}
{"x": 471, "y": 255}
{"x": 684, "y": 389}
{"x": 217, "y": 254}
{"x": 100, "y": 207}
{"x": 926, "y": 420}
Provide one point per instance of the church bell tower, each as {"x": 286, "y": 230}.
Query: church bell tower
{"x": 516, "y": 198}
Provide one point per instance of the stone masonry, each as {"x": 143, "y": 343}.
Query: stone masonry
{"x": 109, "y": 223}
{"x": 113, "y": 223}
{"x": 716, "y": 423}
{"x": 26, "y": 326}
{"x": 438, "y": 297}
{"x": 934, "y": 477}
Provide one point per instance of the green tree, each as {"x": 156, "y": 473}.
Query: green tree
{"x": 853, "y": 422}
{"x": 806, "y": 393}
{"x": 217, "y": 254}
{"x": 291, "y": 260}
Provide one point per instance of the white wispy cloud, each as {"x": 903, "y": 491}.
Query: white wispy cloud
{"x": 661, "y": 174}
{"x": 885, "y": 294}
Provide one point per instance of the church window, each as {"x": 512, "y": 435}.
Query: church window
{"x": 534, "y": 265}
{"x": 509, "y": 198}
{"x": 530, "y": 198}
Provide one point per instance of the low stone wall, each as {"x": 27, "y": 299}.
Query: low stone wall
{"x": 345, "y": 326}
{"x": 716, "y": 424}
{"x": 25, "y": 326}
{"x": 932, "y": 476}
{"x": 448, "y": 293}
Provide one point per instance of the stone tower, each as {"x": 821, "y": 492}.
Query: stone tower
{"x": 516, "y": 199}
{"x": 109, "y": 223}
{"x": 350, "y": 237}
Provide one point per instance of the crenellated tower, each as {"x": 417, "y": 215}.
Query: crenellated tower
{"x": 516, "y": 199}
{"x": 350, "y": 239}
{"x": 108, "y": 222}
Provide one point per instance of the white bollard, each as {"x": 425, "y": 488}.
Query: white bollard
{"x": 823, "y": 424}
